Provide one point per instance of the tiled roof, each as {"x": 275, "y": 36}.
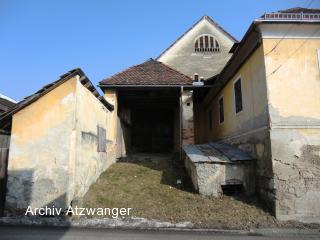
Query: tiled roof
{"x": 291, "y": 13}
{"x": 49, "y": 87}
{"x": 151, "y": 72}
{"x": 299, "y": 10}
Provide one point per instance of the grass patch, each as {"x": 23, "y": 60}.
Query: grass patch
{"x": 150, "y": 189}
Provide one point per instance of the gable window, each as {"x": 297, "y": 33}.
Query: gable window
{"x": 221, "y": 110}
{"x": 238, "y": 95}
{"x": 210, "y": 119}
{"x": 206, "y": 43}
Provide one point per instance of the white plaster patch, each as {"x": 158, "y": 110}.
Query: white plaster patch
{"x": 68, "y": 99}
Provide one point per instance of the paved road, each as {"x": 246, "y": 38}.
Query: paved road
{"x": 36, "y": 233}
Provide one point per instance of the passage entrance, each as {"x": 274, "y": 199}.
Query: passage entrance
{"x": 152, "y": 130}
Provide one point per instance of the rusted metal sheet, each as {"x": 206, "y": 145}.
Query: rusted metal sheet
{"x": 231, "y": 152}
{"x": 215, "y": 153}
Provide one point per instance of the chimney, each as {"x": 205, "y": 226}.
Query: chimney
{"x": 197, "y": 81}
{"x": 196, "y": 77}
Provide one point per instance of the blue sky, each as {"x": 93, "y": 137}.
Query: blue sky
{"x": 40, "y": 40}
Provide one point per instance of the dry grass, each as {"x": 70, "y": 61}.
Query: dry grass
{"x": 150, "y": 189}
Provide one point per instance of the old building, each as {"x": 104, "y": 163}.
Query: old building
{"x": 59, "y": 144}
{"x": 267, "y": 103}
{"x": 239, "y": 113}
{"x": 6, "y": 103}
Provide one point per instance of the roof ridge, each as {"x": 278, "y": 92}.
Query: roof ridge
{"x": 150, "y": 71}
{"x": 204, "y": 17}
{"x": 173, "y": 69}
{"x": 124, "y": 70}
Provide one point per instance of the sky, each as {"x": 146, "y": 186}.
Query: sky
{"x": 41, "y": 40}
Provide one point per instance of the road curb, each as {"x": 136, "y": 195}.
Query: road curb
{"x": 146, "y": 225}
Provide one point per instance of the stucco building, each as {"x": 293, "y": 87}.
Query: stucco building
{"x": 242, "y": 113}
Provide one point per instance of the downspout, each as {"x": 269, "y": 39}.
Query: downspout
{"x": 180, "y": 122}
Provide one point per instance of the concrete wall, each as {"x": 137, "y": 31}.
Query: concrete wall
{"x": 53, "y": 156}
{"x": 181, "y": 55}
{"x": 293, "y": 83}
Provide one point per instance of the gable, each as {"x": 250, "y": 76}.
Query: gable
{"x": 182, "y": 55}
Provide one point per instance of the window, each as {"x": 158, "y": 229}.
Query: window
{"x": 237, "y": 95}
{"x": 206, "y": 43}
{"x": 101, "y": 139}
{"x": 221, "y": 110}
{"x": 210, "y": 119}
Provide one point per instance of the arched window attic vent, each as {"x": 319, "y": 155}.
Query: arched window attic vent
{"x": 206, "y": 43}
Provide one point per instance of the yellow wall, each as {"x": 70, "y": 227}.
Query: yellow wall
{"x": 111, "y": 97}
{"x": 38, "y": 165}
{"x": 293, "y": 79}
{"x": 254, "y": 101}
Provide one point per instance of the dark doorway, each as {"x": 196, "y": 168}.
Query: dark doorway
{"x": 152, "y": 130}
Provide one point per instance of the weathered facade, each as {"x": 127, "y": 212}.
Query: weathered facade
{"x": 189, "y": 55}
{"x": 58, "y": 145}
{"x": 279, "y": 120}
{"x": 260, "y": 95}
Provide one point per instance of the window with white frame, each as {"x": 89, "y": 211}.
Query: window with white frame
{"x": 221, "y": 110}
{"x": 206, "y": 43}
{"x": 238, "y": 95}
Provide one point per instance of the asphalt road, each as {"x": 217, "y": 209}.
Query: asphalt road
{"x": 36, "y": 233}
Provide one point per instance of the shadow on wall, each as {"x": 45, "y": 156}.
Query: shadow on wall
{"x": 19, "y": 199}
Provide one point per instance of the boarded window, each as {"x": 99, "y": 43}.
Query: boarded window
{"x": 210, "y": 118}
{"x": 101, "y": 139}
{"x": 221, "y": 110}
{"x": 238, "y": 95}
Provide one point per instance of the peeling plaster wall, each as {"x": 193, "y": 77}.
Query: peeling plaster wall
{"x": 54, "y": 156}
{"x": 117, "y": 147}
{"x": 248, "y": 129}
{"x": 207, "y": 178}
{"x": 181, "y": 55}
{"x": 293, "y": 84}
{"x": 89, "y": 163}
{"x": 40, "y": 149}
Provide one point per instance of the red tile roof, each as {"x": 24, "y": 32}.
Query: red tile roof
{"x": 151, "y": 72}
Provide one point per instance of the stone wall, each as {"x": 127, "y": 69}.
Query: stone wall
{"x": 187, "y": 118}
{"x": 207, "y": 178}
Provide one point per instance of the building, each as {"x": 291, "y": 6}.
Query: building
{"x": 6, "y": 103}
{"x": 249, "y": 110}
